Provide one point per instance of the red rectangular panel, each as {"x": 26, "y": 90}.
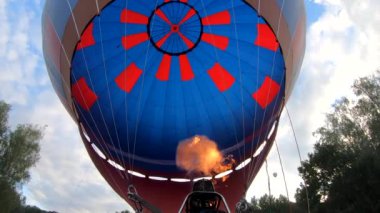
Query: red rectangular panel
{"x": 186, "y": 70}
{"x": 221, "y": 77}
{"x": 128, "y": 78}
{"x": 164, "y": 69}
{"x": 130, "y": 41}
{"x": 220, "y": 42}
{"x": 217, "y": 18}
{"x": 266, "y": 38}
{"x": 83, "y": 94}
{"x": 87, "y": 39}
{"x": 267, "y": 92}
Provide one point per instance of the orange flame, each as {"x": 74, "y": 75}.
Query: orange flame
{"x": 200, "y": 154}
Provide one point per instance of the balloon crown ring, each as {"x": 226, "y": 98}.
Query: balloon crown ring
{"x": 175, "y": 28}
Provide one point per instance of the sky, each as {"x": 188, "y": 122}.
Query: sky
{"x": 343, "y": 44}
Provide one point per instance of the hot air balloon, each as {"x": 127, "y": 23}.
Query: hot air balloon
{"x": 141, "y": 77}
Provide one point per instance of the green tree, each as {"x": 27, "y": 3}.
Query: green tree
{"x": 19, "y": 151}
{"x": 342, "y": 174}
{"x": 270, "y": 204}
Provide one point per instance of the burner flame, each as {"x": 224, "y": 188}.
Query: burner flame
{"x": 201, "y": 155}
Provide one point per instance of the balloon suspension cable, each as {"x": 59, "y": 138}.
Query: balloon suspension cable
{"x": 269, "y": 191}
{"x": 282, "y": 170}
{"x": 266, "y": 169}
{"x": 139, "y": 203}
{"x": 300, "y": 158}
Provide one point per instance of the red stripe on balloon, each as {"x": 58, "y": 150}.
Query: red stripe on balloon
{"x": 128, "y": 78}
{"x": 185, "y": 67}
{"x": 221, "y": 77}
{"x": 217, "y": 18}
{"x": 130, "y": 41}
{"x": 163, "y": 39}
{"x": 220, "y": 42}
{"x": 132, "y": 17}
{"x": 164, "y": 69}
{"x": 162, "y": 15}
{"x": 189, "y": 14}
{"x": 266, "y": 38}
{"x": 267, "y": 92}
{"x": 83, "y": 95}
{"x": 87, "y": 39}
{"x": 187, "y": 41}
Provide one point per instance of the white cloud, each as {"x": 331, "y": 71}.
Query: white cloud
{"x": 15, "y": 39}
{"x": 4, "y": 27}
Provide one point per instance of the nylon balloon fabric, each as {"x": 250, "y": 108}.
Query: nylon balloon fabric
{"x": 147, "y": 75}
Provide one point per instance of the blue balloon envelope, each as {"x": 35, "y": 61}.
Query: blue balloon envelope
{"x": 141, "y": 77}
{"x": 147, "y": 75}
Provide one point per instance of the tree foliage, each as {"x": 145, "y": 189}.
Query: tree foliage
{"x": 10, "y": 199}
{"x": 19, "y": 151}
{"x": 343, "y": 172}
{"x": 270, "y": 204}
